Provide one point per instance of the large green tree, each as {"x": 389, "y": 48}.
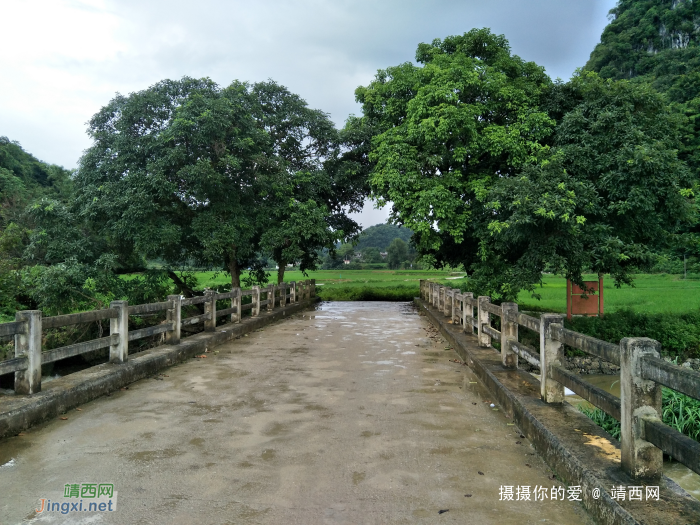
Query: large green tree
{"x": 195, "y": 174}
{"x": 448, "y": 129}
{"x": 611, "y": 191}
{"x": 397, "y": 253}
{"x": 174, "y": 171}
{"x": 496, "y": 168}
{"x": 307, "y": 200}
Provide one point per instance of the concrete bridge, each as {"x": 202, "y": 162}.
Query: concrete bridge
{"x": 338, "y": 413}
{"x": 345, "y": 413}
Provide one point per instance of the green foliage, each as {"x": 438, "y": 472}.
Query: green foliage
{"x": 679, "y": 334}
{"x": 371, "y": 255}
{"x": 193, "y": 174}
{"x": 72, "y": 286}
{"x": 24, "y": 180}
{"x": 397, "y": 253}
{"x": 682, "y": 413}
{"x": 23, "y": 176}
{"x": 602, "y": 419}
{"x": 678, "y": 411}
{"x": 608, "y": 194}
{"x": 380, "y": 236}
{"x": 446, "y": 131}
{"x": 171, "y": 173}
{"x": 496, "y": 168}
{"x": 656, "y": 42}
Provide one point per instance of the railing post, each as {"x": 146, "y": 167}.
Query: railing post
{"x": 29, "y": 344}
{"x": 256, "y": 301}
{"x": 456, "y": 310}
{"x": 441, "y": 299}
{"x": 236, "y": 303}
{"x": 436, "y": 294}
{"x": 421, "y": 284}
{"x": 292, "y": 292}
{"x": 210, "y": 308}
{"x": 509, "y": 330}
{"x": 484, "y": 319}
{"x": 467, "y": 312}
{"x": 551, "y": 354}
{"x": 449, "y": 299}
{"x": 639, "y": 398}
{"x": 313, "y": 288}
{"x": 174, "y": 315}
{"x": 270, "y": 297}
{"x": 119, "y": 352}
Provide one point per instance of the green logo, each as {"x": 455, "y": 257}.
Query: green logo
{"x": 88, "y": 490}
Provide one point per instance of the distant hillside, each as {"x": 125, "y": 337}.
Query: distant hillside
{"x": 23, "y": 177}
{"x": 381, "y": 235}
{"x": 657, "y": 41}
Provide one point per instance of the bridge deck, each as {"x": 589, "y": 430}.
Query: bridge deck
{"x": 352, "y": 414}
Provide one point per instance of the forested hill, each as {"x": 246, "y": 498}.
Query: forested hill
{"x": 381, "y": 235}
{"x": 651, "y": 37}
{"x": 23, "y": 177}
{"x": 656, "y": 41}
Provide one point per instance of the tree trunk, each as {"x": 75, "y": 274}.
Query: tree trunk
{"x": 280, "y": 271}
{"x": 234, "y": 270}
{"x": 184, "y": 289}
{"x": 181, "y": 286}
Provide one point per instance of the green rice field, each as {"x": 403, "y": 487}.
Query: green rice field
{"x": 652, "y": 293}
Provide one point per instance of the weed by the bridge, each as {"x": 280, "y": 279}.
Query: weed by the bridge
{"x": 678, "y": 411}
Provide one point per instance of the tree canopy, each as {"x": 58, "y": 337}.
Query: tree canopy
{"x": 449, "y": 129}
{"x": 192, "y": 173}
{"x": 495, "y": 167}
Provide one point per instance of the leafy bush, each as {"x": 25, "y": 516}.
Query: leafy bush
{"x": 679, "y": 334}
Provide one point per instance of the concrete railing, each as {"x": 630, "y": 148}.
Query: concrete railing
{"x": 644, "y": 437}
{"x": 29, "y": 325}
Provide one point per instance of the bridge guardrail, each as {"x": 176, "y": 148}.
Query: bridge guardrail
{"x": 644, "y": 438}
{"x": 29, "y": 326}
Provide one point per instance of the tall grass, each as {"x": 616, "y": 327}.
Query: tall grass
{"x": 677, "y": 411}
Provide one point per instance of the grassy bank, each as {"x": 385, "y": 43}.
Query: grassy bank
{"x": 352, "y": 285}
{"x": 652, "y": 293}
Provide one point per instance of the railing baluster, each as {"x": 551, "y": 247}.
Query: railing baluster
{"x": 551, "y": 354}
{"x": 509, "y": 330}
{"x": 119, "y": 352}
{"x": 174, "y": 315}
{"x": 640, "y": 399}
{"x": 484, "y": 319}
{"x": 28, "y": 344}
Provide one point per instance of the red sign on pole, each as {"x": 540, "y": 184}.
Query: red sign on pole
{"x": 579, "y": 302}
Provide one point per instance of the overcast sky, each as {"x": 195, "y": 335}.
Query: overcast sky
{"x": 62, "y": 60}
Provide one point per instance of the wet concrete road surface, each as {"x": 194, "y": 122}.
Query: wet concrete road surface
{"x": 349, "y": 414}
